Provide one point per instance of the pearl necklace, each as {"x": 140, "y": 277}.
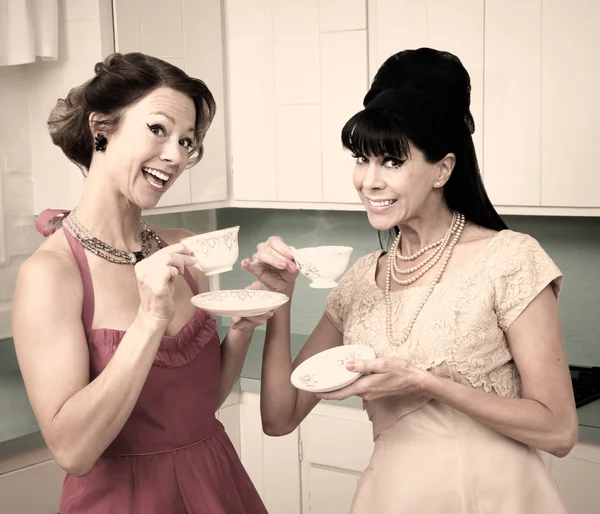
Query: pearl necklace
{"x": 448, "y": 241}
{"x": 431, "y": 261}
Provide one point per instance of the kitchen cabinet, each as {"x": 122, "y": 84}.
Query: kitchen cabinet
{"x": 578, "y": 476}
{"x": 533, "y": 94}
{"x": 313, "y": 470}
{"x": 271, "y": 462}
{"x": 570, "y": 73}
{"x": 541, "y": 104}
{"x": 452, "y": 25}
{"x": 297, "y": 72}
{"x": 287, "y": 75}
{"x": 337, "y": 443}
{"x": 333, "y": 446}
{"x": 512, "y": 110}
{"x": 33, "y": 489}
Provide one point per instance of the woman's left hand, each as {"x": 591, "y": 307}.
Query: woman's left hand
{"x": 251, "y": 322}
{"x": 384, "y": 376}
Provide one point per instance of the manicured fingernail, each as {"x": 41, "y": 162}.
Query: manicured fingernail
{"x": 350, "y": 366}
{"x": 282, "y": 265}
{"x": 292, "y": 268}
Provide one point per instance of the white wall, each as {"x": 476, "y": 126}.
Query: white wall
{"x": 27, "y": 94}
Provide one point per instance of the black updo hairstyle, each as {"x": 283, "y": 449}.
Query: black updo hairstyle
{"x": 423, "y": 96}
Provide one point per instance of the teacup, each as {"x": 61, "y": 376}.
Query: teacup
{"x": 322, "y": 265}
{"x": 215, "y": 252}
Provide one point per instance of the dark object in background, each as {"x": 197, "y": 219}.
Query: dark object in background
{"x": 586, "y": 384}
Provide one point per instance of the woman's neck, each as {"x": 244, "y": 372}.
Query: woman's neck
{"x": 109, "y": 217}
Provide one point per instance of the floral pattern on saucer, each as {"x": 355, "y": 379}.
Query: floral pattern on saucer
{"x": 309, "y": 380}
{"x": 348, "y": 358}
{"x": 247, "y": 294}
{"x": 326, "y": 371}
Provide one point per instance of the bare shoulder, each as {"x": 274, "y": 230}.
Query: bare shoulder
{"x": 52, "y": 264}
{"x": 48, "y": 289}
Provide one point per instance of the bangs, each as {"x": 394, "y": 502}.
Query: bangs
{"x": 376, "y": 132}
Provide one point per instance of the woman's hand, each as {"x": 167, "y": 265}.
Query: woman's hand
{"x": 249, "y": 323}
{"x": 273, "y": 264}
{"x": 382, "y": 377}
{"x": 156, "y": 281}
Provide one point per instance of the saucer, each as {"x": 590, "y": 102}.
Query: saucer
{"x": 326, "y": 371}
{"x": 239, "y": 302}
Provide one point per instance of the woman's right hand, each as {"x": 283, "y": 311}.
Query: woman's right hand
{"x": 273, "y": 264}
{"x": 156, "y": 282}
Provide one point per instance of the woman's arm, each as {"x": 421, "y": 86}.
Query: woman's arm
{"x": 282, "y": 406}
{"x": 235, "y": 348}
{"x": 545, "y": 416}
{"x": 235, "y": 345}
{"x": 78, "y": 419}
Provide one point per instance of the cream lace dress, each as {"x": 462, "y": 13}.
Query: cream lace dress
{"x": 429, "y": 458}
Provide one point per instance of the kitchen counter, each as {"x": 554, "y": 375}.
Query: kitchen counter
{"x": 19, "y": 431}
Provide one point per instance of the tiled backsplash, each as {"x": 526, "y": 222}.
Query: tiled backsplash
{"x": 573, "y": 243}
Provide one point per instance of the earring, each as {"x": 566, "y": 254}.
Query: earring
{"x": 101, "y": 142}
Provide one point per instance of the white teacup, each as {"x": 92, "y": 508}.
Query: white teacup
{"x": 322, "y": 265}
{"x": 215, "y": 252}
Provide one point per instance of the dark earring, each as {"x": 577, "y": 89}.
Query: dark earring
{"x": 101, "y": 142}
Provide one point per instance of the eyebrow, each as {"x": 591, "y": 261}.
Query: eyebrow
{"x": 172, "y": 120}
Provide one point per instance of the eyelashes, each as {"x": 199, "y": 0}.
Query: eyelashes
{"x": 160, "y": 131}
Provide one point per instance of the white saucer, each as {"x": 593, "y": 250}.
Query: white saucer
{"x": 239, "y": 302}
{"x": 326, "y": 371}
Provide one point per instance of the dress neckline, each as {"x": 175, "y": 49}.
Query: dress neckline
{"x": 464, "y": 270}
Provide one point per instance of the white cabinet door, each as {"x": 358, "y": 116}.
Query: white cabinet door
{"x": 194, "y": 44}
{"x": 271, "y": 462}
{"x": 512, "y": 101}
{"x": 570, "y": 107}
{"x": 32, "y": 490}
{"x": 251, "y": 87}
{"x": 337, "y": 443}
{"x": 344, "y": 84}
{"x": 578, "y": 476}
{"x": 229, "y": 416}
{"x": 297, "y": 71}
{"x": 455, "y": 26}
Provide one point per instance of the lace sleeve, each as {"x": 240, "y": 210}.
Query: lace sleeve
{"x": 523, "y": 270}
{"x": 338, "y": 300}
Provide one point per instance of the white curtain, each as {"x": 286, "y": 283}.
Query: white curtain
{"x": 28, "y": 29}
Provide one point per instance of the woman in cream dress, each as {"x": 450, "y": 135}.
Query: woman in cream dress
{"x": 470, "y": 379}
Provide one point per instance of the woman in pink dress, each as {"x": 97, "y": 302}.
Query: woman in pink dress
{"x": 471, "y": 378}
{"x": 123, "y": 373}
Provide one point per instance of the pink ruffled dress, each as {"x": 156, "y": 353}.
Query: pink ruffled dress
{"x": 172, "y": 456}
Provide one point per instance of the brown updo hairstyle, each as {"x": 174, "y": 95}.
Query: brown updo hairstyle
{"x": 120, "y": 81}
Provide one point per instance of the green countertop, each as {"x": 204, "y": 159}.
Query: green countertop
{"x": 19, "y": 431}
